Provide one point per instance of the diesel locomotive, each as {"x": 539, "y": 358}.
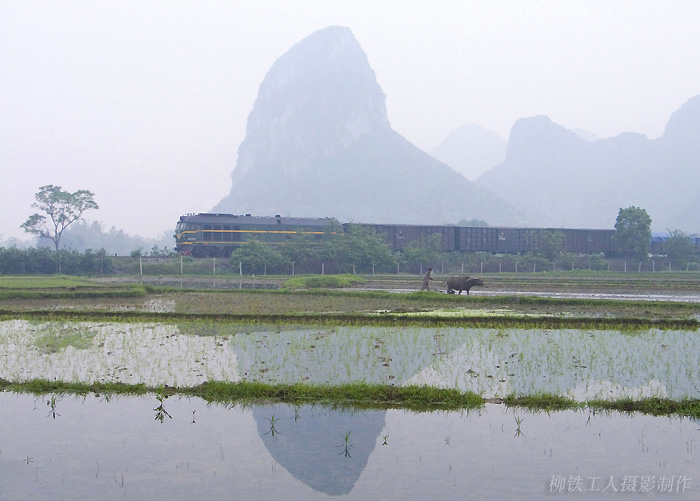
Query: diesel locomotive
{"x": 216, "y": 235}
{"x": 220, "y": 234}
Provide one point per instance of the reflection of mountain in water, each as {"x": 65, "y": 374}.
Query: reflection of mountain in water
{"x": 309, "y": 442}
{"x": 309, "y": 447}
{"x": 381, "y": 355}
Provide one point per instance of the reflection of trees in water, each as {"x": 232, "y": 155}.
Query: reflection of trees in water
{"x": 307, "y": 440}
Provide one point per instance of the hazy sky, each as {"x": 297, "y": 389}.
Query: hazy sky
{"x": 145, "y": 103}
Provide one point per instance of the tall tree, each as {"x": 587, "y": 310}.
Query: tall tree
{"x": 680, "y": 247}
{"x": 633, "y": 232}
{"x": 425, "y": 250}
{"x": 59, "y": 209}
{"x": 258, "y": 257}
{"x": 358, "y": 246}
{"x": 550, "y": 244}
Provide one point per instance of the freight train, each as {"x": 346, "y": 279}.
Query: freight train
{"x": 219, "y": 234}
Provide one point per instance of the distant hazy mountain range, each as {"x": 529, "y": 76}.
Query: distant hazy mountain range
{"x": 319, "y": 143}
{"x": 564, "y": 180}
{"x": 471, "y": 150}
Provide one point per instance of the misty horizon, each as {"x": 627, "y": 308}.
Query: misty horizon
{"x": 146, "y": 105}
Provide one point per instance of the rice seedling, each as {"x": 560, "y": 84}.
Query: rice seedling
{"x": 346, "y": 446}
{"x": 518, "y": 431}
{"x": 52, "y": 405}
{"x": 273, "y": 430}
{"x": 161, "y": 413}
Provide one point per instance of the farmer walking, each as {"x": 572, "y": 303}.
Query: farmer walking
{"x": 426, "y": 280}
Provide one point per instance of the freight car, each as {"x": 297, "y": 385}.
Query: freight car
{"x": 220, "y": 234}
{"x": 501, "y": 240}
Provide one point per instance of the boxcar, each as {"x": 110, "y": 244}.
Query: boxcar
{"x": 399, "y": 236}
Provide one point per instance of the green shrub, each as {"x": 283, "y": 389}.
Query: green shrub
{"x": 598, "y": 262}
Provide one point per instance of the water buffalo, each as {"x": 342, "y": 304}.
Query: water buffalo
{"x": 462, "y": 283}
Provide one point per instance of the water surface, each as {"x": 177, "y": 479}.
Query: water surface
{"x": 71, "y": 448}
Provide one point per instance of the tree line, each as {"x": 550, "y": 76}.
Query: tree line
{"x": 256, "y": 258}
{"x": 357, "y": 249}
{"x": 43, "y": 260}
{"x": 360, "y": 250}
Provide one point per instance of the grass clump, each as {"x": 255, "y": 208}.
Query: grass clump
{"x": 542, "y": 402}
{"x": 45, "y": 386}
{"x": 323, "y": 281}
{"x": 652, "y": 405}
{"x": 356, "y": 395}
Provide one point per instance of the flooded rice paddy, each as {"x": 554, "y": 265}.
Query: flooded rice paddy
{"x": 579, "y": 364}
{"x": 58, "y": 446}
{"x": 68, "y": 447}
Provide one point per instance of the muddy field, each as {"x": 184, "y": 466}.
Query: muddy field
{"x": 613, "y": 283}
{"x": 273, "y": 302}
